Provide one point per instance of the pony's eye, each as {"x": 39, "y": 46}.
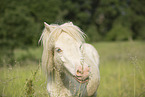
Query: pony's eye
{"x": 58, "y": 50}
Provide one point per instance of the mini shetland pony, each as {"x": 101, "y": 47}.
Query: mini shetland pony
{"x": 72, "y": 66}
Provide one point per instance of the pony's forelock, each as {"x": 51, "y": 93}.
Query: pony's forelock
{"x": 72, "y": 30}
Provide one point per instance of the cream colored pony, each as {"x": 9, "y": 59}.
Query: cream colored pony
{"x": 72, "y": 66}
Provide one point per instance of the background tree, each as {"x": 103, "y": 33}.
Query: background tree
{"x": 17, "y": 30}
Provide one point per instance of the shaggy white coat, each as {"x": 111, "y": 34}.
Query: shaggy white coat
{"x": 64, "y": 49}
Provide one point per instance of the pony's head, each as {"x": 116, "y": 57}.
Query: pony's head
{"x": 63, "y": 50}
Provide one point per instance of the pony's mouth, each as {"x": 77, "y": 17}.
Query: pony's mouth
{"x": 81, "y": 80}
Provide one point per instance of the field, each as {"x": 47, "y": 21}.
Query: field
{"x": 122, "y": 70}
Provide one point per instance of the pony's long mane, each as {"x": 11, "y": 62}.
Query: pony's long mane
{"x": 49, "y": 36}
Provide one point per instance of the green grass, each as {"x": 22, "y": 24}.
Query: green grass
{"x": 13, "y": 81}
{"x": 122, "y": 70}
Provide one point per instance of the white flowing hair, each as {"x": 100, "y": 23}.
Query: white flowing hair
{"x": 50, "y": 34}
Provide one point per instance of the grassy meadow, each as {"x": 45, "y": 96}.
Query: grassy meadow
{"x": 122, "y": 70}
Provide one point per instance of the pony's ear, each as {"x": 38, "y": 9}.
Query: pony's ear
{"x": 71, "y": 23}
{"x": 47, "y": 26}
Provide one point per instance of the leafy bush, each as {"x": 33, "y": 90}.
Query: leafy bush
{"x": 119, "y": 32}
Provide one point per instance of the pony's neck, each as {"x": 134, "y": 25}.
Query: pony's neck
{"x": 54, "y": 78}
{"x": 55, "y": 85}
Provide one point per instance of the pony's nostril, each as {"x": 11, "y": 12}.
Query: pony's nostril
{"x": 79, "y": 73}
{"x": 82, "y": 71}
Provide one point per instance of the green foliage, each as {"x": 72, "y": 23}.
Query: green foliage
{"x": 29, "y": 90}
{"x": 18, "y": 28}
{"x": 93, "y": 34}
{"x": 139, "y": 27}
{"x": 119, "y": 32}
{"x": 24, "y": 20}
{"x": 44, "y": 11}
{"x": 29, "y": 84}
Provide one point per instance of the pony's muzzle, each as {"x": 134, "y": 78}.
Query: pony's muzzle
{"x": 82, "y": 74}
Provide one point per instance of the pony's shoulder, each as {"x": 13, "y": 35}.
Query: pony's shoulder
{"x": 91, "y": 53}
{"x": 89, "y": 46}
